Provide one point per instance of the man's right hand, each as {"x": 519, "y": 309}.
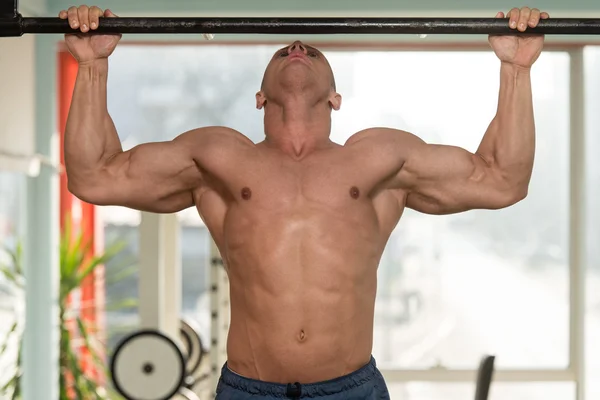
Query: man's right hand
{"x": 84, "y": 47}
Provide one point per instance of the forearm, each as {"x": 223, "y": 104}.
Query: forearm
{"x": 509, "y": 143}
{"x": 90, "y": 135}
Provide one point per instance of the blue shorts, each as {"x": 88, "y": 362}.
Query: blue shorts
{"x": 364, "y": 384}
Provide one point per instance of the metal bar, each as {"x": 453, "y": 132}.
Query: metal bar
{"x": 451, "y": 375}
{"x": 9, "y": 9}
{"x": 569, "y": 26}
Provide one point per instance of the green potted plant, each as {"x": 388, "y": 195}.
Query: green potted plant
{"x": 75, "y": 266}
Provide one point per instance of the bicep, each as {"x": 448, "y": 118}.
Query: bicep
{"x": 155, "y": 177}
{"x": 437, "y": 179}
{"x": 442, "y": 179}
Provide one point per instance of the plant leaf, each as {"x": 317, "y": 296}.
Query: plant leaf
{"x": 72, "y": 250}
{"x": 17, "y": 391}
{"x": 109, "y": 253}
{"x": 93, "y": 388}
{"x": 121, "y": 304}
{"x": 65, "y": 241}
{"x": 7, "y": 338}
{"x": 11, "y": 276}
{"x": 11, "y": 385}
{"x": 63, "y": 387}
{"x": 113, "y": 395}
{"x": 18, "y": 258}
{"x": 70, "y": 262}
{"x": 75, "y": 372}
{"x": 121, "y": 274}
{"x": 74, "y": 255}
{"x": 88, "y": 344}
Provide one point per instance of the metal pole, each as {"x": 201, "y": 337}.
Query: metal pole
{"x": 152, "y": 271}
{"x": 9, "y": 9}
{"x": 40, "y": 368}
{"x": 569, "y": 26}
{"x": 220, "y": 314}
{"x": 577, "y": 218}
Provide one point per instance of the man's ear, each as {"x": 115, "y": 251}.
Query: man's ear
{"x": 335, "y": 100}
{"x": 261, "y": 100}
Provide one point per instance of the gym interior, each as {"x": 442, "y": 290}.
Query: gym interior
{"x": 521, "y": 284}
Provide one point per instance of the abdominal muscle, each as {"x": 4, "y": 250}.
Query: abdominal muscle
{"x": 303, "y": 289}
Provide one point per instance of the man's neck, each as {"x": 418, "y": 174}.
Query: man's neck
{"x": 297, "y": 127}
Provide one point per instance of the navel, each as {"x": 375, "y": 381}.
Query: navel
{"x": 246, "y": 193}
{"x": 301, "y": 335}
{"x": 354, "y": 192}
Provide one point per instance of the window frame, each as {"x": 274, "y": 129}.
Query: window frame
{"x": 575, "y": 371}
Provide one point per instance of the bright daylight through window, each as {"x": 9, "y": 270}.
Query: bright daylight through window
{"x": 451, "y": 288}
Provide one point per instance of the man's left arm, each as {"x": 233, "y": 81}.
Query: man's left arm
{"x": 442, "y": 179}
{"x": 446, "y": 179}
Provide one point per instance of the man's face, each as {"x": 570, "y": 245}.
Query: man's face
{"x": 298, "y": 66}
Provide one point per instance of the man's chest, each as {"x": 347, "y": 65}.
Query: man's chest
{"x": 261, "y": 188}
{"x": 273, "y": 181}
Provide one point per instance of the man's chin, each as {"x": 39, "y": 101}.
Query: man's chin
{"x": 297, "y": 60}
{"x": 297, "y": 84}
{"x": 297, "y": 77}
{"x": 296, "y": 63}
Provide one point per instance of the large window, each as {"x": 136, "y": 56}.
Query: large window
{"x": 454, "y": 288}
{"x": 451, "y": 288}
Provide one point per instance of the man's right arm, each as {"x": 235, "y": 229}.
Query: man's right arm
{"x": 155, "y": 177}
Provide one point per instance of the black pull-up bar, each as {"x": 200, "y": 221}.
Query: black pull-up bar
{"x": 13, "y": 24}
{"x": 571, "y": 26}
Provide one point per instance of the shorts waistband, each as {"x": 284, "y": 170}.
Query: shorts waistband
{"x": 298, "y": 390}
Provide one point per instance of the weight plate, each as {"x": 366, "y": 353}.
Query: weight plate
{"x": 147, "y": 365}
{"x": 193, "y": 346}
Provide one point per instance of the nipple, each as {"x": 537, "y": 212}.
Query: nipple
{"x": 246, "y": 193}
{"x": 354, "y": 192}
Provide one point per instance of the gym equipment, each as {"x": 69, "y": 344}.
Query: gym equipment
{"x": 484, "y": 377}
{"x": 147, "y": 365}
{"x": 194, "y": 353}
{"x": 13, "y": 24}
{"x": 18, "y": 26}
{"x": 188, "y": 394}
{"x": 192, "y": 346}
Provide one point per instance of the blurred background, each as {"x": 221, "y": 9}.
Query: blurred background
{"x": 521, "y": 283}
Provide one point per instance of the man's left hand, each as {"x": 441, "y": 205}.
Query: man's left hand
{"x": 519, "y": 50}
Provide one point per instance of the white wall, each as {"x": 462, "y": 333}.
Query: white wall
{"x": 17, "y": 95}
{"x": 17, "y": 101}
{"x": 32, "y": 8}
